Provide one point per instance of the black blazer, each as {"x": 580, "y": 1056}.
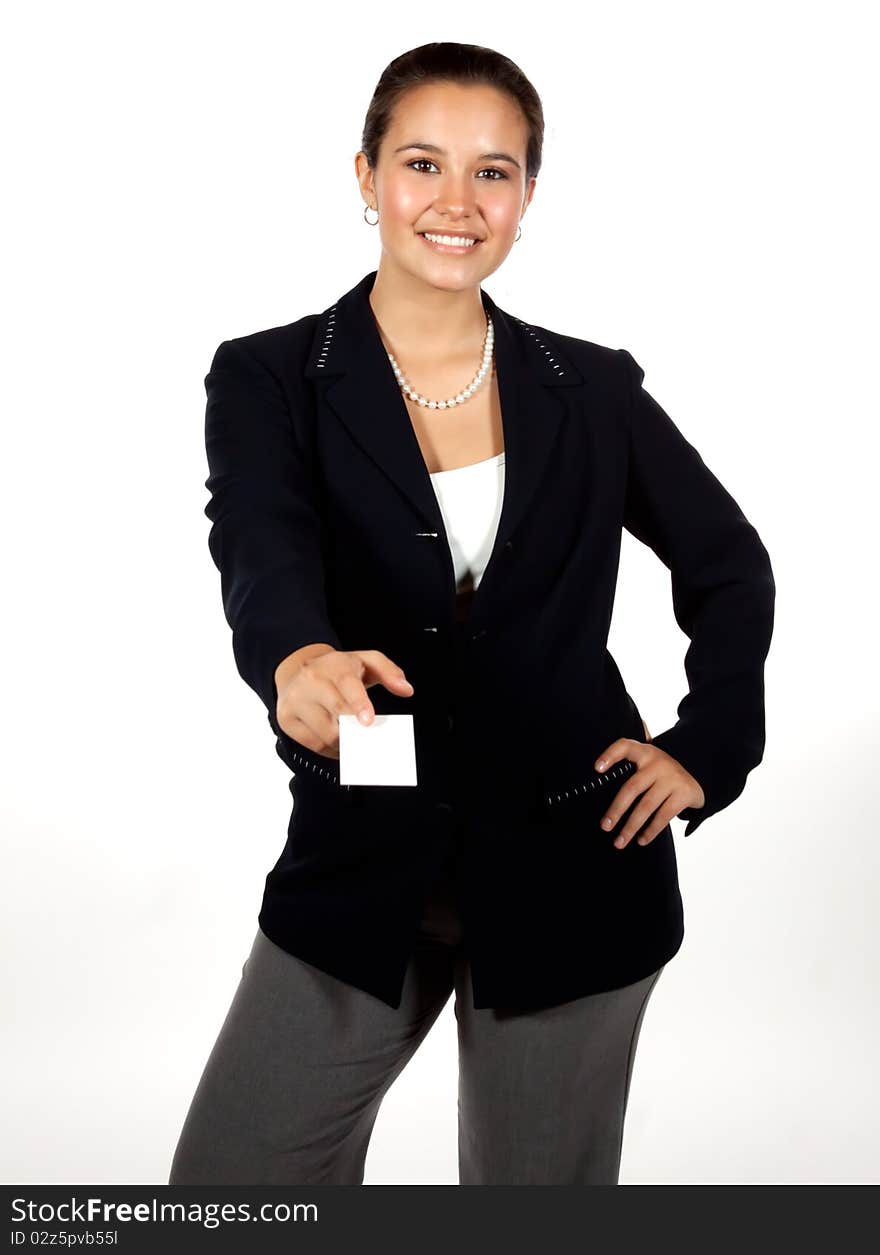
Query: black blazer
{"x": 325, "y": 527}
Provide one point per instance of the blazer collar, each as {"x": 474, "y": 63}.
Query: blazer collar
{"x": 348, "y": 354}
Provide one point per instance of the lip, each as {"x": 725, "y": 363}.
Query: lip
{"x": 455, "y": 249}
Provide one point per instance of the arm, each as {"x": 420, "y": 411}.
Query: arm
{"x": 265, "y": 533}
{"x": 723, "y": 596}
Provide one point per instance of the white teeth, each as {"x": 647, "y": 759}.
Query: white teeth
{"x": 458, "y": 240}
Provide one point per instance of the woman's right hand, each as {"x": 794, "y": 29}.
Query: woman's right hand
{"x": 315, "y": 688}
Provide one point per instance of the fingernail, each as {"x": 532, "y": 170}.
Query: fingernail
{"x": 364, "y": 716}
{"x": 600, "y": 764}
{"x": 607, "y": 822}
{"x": 618, "y": 841}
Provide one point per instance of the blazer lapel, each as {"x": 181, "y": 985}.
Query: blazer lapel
{"x": 348, "y": 353}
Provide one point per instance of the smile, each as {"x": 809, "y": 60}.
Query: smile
{"x": 449, "y": 243}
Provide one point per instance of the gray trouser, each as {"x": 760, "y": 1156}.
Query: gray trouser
{"x": 293, "y": 1085}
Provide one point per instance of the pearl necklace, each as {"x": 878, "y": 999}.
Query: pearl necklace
{"x": 488, "y": 343}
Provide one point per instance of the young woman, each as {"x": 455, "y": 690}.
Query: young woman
{"x": 417, "y": 505}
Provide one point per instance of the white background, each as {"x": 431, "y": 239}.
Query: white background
{"x": 181, "y": 174}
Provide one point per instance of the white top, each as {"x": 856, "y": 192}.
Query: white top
{"x": 470, "y": 499}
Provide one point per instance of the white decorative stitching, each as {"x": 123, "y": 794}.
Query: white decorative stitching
{"x": 325, "y": 772}
{"x": 328, "y": 335}
{"x": 534, "y": 335}
{"x": 619, "y": 769}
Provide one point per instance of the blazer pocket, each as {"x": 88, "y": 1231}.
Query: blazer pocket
{"x": 305, "y": 764}
{"x": 566, "y": 800}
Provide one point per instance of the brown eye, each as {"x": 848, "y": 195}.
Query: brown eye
{"x": 424, "y": 161}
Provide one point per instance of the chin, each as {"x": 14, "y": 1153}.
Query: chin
{"x": 448, "y": 283}
{"x": 449, "y": 278}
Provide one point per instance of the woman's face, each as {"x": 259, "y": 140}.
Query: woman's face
{"x": 453, "y": 160}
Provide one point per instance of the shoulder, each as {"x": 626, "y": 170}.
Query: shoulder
{"x": 592, "y": 359}
{"x": 280, "y": 350}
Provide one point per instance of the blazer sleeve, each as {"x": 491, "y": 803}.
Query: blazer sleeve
{"x": 265, "y": 536}
{"x": 723, "y": 595}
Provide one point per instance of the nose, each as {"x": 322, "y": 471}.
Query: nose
{"x": 455, "y": 198}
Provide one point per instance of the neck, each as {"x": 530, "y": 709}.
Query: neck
{"x": 418, "y": 321}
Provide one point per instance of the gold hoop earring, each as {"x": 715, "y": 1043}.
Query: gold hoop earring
{"x": 518, "y": 236}
{"x": 366, "y": 219}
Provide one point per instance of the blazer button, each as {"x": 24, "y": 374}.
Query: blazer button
{"x": 450, "y": 722}
{"x": 508, "y": 545}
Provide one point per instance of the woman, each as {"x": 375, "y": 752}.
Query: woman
{"x": 417, "y": 502}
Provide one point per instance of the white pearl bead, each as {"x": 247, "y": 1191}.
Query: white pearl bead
{"x": 460, "y": 397}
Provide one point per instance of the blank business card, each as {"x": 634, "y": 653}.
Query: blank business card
{"x": 383, "y": 752}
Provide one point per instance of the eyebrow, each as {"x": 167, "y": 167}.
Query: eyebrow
{"x": 434, "y": 148}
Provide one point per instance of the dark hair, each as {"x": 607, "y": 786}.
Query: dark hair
{"x": 452, "y": 63}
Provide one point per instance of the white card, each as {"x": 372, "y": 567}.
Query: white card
{"x": 383, "y": 752}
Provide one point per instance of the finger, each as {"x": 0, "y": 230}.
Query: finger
{"x": 339, "y": 689}
{"x": 381, "y": 669}
{"x": 638, "y": 785}
{"x": 644, "y": 813}
{"x": 624, "y": 798}
{"x": 616, "y": 750}
{"x": 315, "y": 729}
{"x": 353, "y": 698}
{"x": 659, "y": 824}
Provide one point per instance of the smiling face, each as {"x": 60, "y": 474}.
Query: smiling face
{"x": 452, "y": 162}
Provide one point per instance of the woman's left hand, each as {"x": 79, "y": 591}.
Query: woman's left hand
{"x": 667, "y": 787}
